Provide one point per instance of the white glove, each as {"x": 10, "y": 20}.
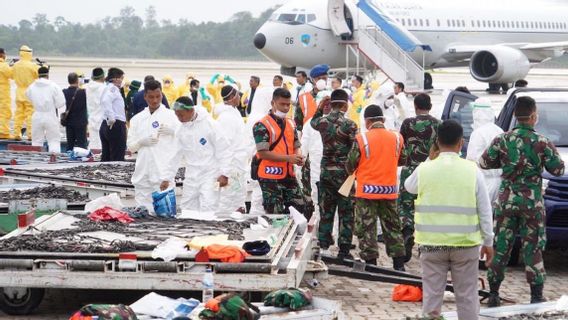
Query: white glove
{"x": 166, "y": 131}
{"x": 148, "y": 141}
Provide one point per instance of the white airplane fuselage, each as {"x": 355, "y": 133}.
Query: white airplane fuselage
{"x": 443, "y": 25}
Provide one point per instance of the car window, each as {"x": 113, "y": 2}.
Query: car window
{"x": 462, "y": 112}
{"x": 552, "y": 120}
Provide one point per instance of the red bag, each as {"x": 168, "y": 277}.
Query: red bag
{"x": 110, "y": 214}
{"x": 406, "y": 293}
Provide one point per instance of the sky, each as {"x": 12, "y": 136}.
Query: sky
{"x": 92, "y": 11}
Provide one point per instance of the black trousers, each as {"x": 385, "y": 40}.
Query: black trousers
{"x": 113, "y": 141}
{"x": 76, "y": 136}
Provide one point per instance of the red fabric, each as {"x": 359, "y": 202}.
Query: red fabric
{"x": 78, "y": 316}
{"x": 226, "y": 253}
{"x": 202, "y": 256}
{"x": 406, "y": 293}
{"x": 110, "y": 214}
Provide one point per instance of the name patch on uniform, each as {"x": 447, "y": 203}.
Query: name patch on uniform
{"x": 203, "y": 141}
{"x": 273, "y": 170}
{"x": 155, "y": 124}
{"x": 379, "y": 189}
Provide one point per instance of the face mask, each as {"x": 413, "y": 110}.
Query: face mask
{"x": 321, "y": 85}
{"x": 280, "y": 114}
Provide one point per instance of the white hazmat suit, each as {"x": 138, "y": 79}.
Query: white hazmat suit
{"x": 152, "y": 136}
{"x": 232, "y": 126}
{"x": 206, "y": 155}
{"x": 484, "y": 131}
{"x": 46, "y": 97}
{"x": 94, "y": 91}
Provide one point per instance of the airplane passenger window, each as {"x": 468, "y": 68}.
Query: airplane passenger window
{"x": 484, "y": 23}
{"x": 311, "y": 17}
{"x": 449, "y": 23}
{"x": 409, "y": 22}
{"x": 415, "y": 22}
{"x": 438, "y": 20}
{"x": 421, "y": 22}
{"x": 427, "y": 22}
{"x": 403, "y": 22}
{"x": 463, "y": 23}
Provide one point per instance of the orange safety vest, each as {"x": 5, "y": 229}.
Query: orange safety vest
{"x": 308, "y": 105}
{"x": 278, "y": 170}
{"x": 376, "y": 174}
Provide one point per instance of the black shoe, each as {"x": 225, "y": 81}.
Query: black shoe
{"x": 371, "y": 261}
{"x": 344, "y": 252}
{"x": 380, "y": 238}
{"x": 408, "y": 235}
{"x": 536, "y": 294}
{"x": 494, "y": 300}
{"x": 398, "y": 263}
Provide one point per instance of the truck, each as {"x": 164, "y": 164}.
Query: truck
{"x": 553, "y": 123}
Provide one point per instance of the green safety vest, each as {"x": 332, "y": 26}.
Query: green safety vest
{"x": 446, "y": 207}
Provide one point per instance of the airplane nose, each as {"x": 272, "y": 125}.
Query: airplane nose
{"x": 259, "y": 41}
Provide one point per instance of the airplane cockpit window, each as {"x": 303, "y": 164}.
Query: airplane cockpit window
{"x": 301, "y": 18}
{"x": 287, "y": 17}
{"x": 295, "y": 19}
{"x": 311, "y": 18}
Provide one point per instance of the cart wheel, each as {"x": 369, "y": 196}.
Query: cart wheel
{"x": 20, "y": 301}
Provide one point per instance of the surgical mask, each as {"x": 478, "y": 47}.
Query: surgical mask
{"x": 280, "y": 114}
{"x": 321, "y": 84}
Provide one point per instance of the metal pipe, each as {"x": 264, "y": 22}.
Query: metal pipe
{"x": 243, "y": 267}
{"x": 159, "y": 266}
{"x": 16, "y": 264}
{"x": 86, "y": 265}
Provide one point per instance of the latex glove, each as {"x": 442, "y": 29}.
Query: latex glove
{"x": 148, "y": 141}
{"x": 166, "y": 131}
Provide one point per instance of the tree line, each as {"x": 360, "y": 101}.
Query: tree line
{"x": 130, "y": 35}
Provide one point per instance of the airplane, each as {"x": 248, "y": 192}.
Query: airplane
{"x": 499, "y": 40}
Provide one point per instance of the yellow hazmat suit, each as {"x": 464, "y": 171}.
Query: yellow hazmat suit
{"x": 183, "y": 89}
{"x": 359, "y": 102}
{"x": 25, "y": 73}
{"x": 5, "y": 100}
{"x": 170, "y": 90}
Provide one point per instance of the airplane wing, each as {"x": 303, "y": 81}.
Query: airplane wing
{"x": 461, "y": 53}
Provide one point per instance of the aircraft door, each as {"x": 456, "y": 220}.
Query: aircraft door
{"x": 336, "y": 12}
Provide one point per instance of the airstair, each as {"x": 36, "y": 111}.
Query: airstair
{"x": 381, "y": 43}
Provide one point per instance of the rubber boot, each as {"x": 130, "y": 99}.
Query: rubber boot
{"x": 398, "y": 263}
{"x": 536, "y": 293}
{"x": 408, "y": 236}
{"x": 494, "y": 299}
{"x": 344, "y": 252}
{"x": 371, "y": 261}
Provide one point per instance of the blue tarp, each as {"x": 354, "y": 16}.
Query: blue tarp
{"x": 402, "y": 37}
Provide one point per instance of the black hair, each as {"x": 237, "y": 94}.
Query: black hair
{"x": 339, "y": 95}
{"x": 114, "y": 73}
{"x": 373, "y": 113}
{"x": 281, "y": 93}
{"x": 185, "y": 100}
{"x": 255, "y": 78}
{"x": 423, "y": 102}
{"x": 400, "y": 85}
{"x": 525, "y": 107}
{"x": 73, "y": 78}
{"x": 450, "y": 133}
{"x": 152, "y": 85}
{"x": 193, "y": 82}
{"x": 463, "y": 89}
{"x": 228, "y": 92}
{"x": 302, "y": 73}
{"x": 2, "y": 51}
{"x": 279, "y": 77}
{"x": 521, "y": 83}
{"x": 149, "y": 78}
{"x": 358, "y": 78}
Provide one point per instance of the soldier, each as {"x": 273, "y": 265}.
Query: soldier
{"x": 419, "y": 134}
{"x": 338, "y": 134}
{"x": 278, "y": 150}
{"x": 374, "y": 160}
{"x": 522, "y": 154}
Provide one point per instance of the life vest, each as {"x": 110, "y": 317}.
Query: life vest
{"x": 377, "y": 171}
{"x": 308, "y": 105}
{"x": 273, "y": 170}
{"x": 446, "y": 207}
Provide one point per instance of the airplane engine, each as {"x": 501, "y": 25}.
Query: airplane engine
{"x": 499, "y": 64}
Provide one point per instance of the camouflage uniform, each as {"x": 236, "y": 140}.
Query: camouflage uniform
{"x": 366, "y": 214}
{"x": 278, "y": 195}
{"x": 419, "y": 134}
{"x": 338, "y": 134}
{"x": 522, "y": 154}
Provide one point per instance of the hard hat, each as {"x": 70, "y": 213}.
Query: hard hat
{"x": 25, "y": 48}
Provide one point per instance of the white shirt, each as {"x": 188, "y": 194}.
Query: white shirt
{"x": 46, "y": 96}
{"x": 482, "y": 197}
{"x": 113, "y": 104}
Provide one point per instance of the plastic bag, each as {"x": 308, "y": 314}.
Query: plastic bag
{"x": 154, "y": 305}
{"x": 406, "y": 293}
{"x": 110, "y": 214}
{"x": 112, "y": 200}
{"x": 165, "y": 203}
{"x": 169, "y": 249}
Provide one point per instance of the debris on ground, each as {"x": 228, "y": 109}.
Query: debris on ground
{"x": 44, "y": 192}
{"x": 552, "y": 315}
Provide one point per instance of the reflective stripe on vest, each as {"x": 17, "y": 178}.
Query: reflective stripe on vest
{"x": 446, "y": 207}
{"x": 377, "y": 170}
{"x": 278, "y": 170}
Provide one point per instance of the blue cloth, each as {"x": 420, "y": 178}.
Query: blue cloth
{"x": 319, "y": 70}
{"x": 406, "y": 40}
{"x": 165, "y": 203}
{"x": 139, "y": 104}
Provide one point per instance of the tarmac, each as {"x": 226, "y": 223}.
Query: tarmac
{"x": 360, "y": 299}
